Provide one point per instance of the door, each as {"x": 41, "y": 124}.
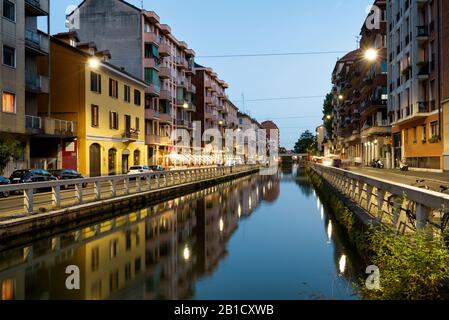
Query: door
{"x": 95, "y": 160}
{"x": 112, "y": 159}
{"x": 125, "y": 165}
{"x": 397, "y": 145}
{"x": 127, "y": 125}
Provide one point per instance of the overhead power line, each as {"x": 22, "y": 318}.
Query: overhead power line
{"x": 281, "y": 98}
{"x": 310, "y": 53}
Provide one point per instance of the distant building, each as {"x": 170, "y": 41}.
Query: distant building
{"x": 320, "y": 137}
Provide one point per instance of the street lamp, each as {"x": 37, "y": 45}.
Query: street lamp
{"x": 341, "y": 97}
{"x": 185, "y": 105}
{"x": 371, "y": 54}
{"x": 328, "y": 117}
{"x": 94, "y": 63}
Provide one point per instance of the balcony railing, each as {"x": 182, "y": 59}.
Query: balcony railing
{"x": 36, "y": 40}
{"x": 51, "y": 126}
{"x": 37, "y": 83}
{"x": 131, "y": 134}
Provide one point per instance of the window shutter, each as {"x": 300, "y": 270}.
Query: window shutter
{"x": 110, "y": 120}
{"x": 99, "y": 83}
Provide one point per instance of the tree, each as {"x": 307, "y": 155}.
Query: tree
{"x": 306, "y": 143}
{"x": 283, "y": 150}
{"x": 327, "y": 111}
{"x": 9, "y": 148}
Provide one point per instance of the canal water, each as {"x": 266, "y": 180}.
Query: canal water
{"x": 258, "y": 237}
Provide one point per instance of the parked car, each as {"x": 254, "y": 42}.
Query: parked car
{"x": 157, "y": 168}
{"x": 4, "y": 181}
{"x": 139, "y": 169}
{"x": 31, "y": 175}
{"x": 67, "y": 174}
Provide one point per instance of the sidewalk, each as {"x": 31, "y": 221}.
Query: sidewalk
{"x": 432, "y": 179}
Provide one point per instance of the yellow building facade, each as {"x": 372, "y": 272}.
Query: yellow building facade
{"x": 107, "y": 104}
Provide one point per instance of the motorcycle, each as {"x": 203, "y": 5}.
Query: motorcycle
{"x": 377, "y": 164}
{"x": 403, "y": 165}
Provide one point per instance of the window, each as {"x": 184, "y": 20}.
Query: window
{"x": 137, "y": 98}
{"x": 151, "y": 51}
{"x": 113, "y": 249}
{"x": 113, "y": 88}
{"x": 434, "y": 129}
{"x": 113, "y": 120}
{"x": 406, "y": 136}
{"x": 9, "y": 102}
{"x": 94, "y": 116}
{"x": 95, "y": 82}
{"x": 137, "y": 124}
{"x": 9, "y": 56}
{"x": 424, "y": 133}
{"x": 9, "y": 10}
{"x": 113, "y": 281}
{"x": 95, "y": 258}
{"x": 127, "y": 94}
{"x": 136, "y": 157}
{"x": 415, "y": 130}
{"x": 152, "y": 77}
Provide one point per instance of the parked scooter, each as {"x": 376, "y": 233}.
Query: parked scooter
{"x": 377, "y": 164}
{"x": 403, "y": 165}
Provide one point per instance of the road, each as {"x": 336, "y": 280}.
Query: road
{"x": 432, "y": 180}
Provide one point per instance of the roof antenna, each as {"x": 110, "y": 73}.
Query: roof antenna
{"x": 243, "y": 102}
{"x": 141, "y": 4}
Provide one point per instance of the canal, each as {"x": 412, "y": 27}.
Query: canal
{"x": 258, "y": 237}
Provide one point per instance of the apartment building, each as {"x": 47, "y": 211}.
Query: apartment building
{"x": 247, "y": 142}
{"x": 444, "y": 78}
{"x": 210, "y": 99}
{"x": 375, "y": 129}
{"x": 166, "y": 64}
{"x": 23, "y": 84}
{"x": 346, "y": 80}
{"x": 212, "y": 105}
{"x": 106, "y": 102}
{"x": 414, "y": 82}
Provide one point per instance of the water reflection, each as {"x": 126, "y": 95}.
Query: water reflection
{"x": 173, "y": 250}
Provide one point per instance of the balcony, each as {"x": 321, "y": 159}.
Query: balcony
{"x": 165, "y": 95}
{"x": 36, "y": 83}
{"x": 191, "y": 88}
{"x": 208, "y": 100}
{"x": 152, "y": 114}
{"x": 181, "y": 83}
{"x": 207, "y": 83}
{"x": 377, "y": 128}
{"x": 150, "y": 37}
{"x": 165, "y": 29}
{"x": 153, "y": 90}
{"x": 165, "y": 141}
{"x": 165, "y": 118}
{"x": 131, "y": 135}
{"x": 423, "y": 70}
{"x": 152, "y": 139}
{"x": 36, "y": 42}
{"x": 164, "y": 73}
{"x": 164, "y": 50}
{"x": 182, "y": 123}
{"x": 152, "y": 16}
{"x": 50, "y": 127}
{"x": 181, "y": 63}
{"x": 37, "y": 7}
{"x": 418, "y": 111}
{"x": 183, "y": 45}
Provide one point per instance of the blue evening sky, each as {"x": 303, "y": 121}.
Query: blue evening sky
{"x": 228, "y": 27}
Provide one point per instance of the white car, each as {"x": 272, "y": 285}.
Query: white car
{"x": 139, "y": 169}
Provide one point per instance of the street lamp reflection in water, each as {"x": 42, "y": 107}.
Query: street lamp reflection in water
{"x": 342, "y": 264}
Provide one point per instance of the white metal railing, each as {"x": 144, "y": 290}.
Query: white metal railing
{"x": 404, "y": 207}
{"x": 31, "y": 198}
